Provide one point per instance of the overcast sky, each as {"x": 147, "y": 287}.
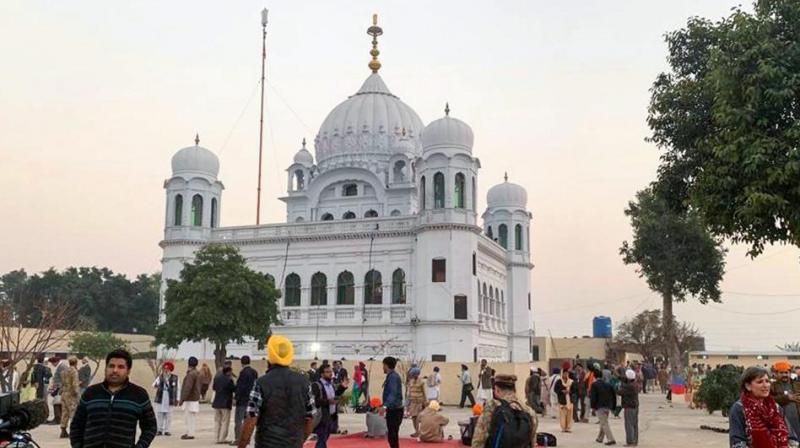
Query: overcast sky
{"x": 96, "y": 96}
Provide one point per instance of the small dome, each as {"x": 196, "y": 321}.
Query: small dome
{"x": 304, "y": 157}
{"x": 447, "y": 132}
{"x": 195, "y": 160}
{"x": 507, "y": 194}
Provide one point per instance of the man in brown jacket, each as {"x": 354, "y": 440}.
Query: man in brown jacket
{"x": 786, "y": 393}
{"x": 190, "y": 398}
{"x": 432, "y": 423}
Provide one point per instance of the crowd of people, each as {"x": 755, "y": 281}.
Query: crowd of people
{"x": 287, "y": 407}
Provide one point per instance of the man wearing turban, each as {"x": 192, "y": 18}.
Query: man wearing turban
{"x": 281, "y": 406}
{"x": 786, "y": 393}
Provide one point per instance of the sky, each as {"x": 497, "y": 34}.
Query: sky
{"x": 96, "y": 97}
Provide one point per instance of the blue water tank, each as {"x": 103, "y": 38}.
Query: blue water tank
{"x": 601, "y": 327}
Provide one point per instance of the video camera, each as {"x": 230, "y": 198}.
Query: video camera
{"x": 17, "y": 418}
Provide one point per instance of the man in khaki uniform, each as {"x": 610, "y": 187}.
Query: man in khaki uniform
{"x": 504, "y": 389}
{"x": 70, "y": 394}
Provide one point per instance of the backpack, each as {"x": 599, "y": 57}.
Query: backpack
{"x": 546, "y": 439}
{"x": 510, "y": 428}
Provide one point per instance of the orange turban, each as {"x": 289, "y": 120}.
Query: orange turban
{"x": 375, "y": 402}
{"x": 477, "y": 409}
{"x": 782, "y": 366}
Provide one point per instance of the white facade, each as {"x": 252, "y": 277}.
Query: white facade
{"x": 385, "y": 195}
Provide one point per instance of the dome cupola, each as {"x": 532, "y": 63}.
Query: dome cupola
{"x": 366, "y": 126}
{"x": 303, "y": 157}
{"x": 447, "y": 132}
{"x": 195, "y": 160}
{"x": 507, "y": 194}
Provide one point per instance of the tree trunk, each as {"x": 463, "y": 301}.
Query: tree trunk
{"x": 219, "y": 354}
{"x": 670, "y": 339}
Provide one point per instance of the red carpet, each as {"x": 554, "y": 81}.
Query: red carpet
{"x": 357, "y": 440}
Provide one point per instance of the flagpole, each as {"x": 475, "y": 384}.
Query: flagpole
{"x": 261, "y": 121}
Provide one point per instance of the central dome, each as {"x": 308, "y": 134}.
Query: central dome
{"x": 366, "y": 127}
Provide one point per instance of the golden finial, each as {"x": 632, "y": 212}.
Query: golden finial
{"x": 446, "y": 109}
{"x": 304, "y": 143}
{"x": 196, "y": 139}
{"x": 374, "y": 31}
{"x": 506, "y": 176}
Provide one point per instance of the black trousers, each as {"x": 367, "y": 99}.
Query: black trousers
{"x": 466, "y": 392}
{"x": 394, "y": 417}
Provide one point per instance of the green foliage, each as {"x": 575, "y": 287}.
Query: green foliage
{"x": 720, "y": 389}
{"x": 105, "y": 300}
{"x": 218, "y": 298}
{"x": 95, "y": 346}
{"x": 675, "y": 253}
{"x": 726, "y": 117}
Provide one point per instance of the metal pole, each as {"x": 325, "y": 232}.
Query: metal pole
{"x": 261, "y": 121}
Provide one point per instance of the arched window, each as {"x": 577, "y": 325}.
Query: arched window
{"x": 398, "y": 286}
{"x": 503, "y": 234}
{"x": 213, "y": 212}
{"x": 345, "y": 289}
{"x": 395, "y": 212}
{"x": 371, "y": 214}
{"x": 458, "y": 193}
{"x": 349, "y": 215}
{"x": 350, "y": 190}
{"x": 373, "y": 288}
{"x": 474, "y": 205}
{"x": 489, "y": 233}
{"x": 197, "y": 210}
{"x": 178, "y": 210}
{"x": 299, "y": 181}
{"x": 292, "y": 293}
{"x": 422, "y": 193}
{"x": 399, "y": 171}
{"x": 518, "y": 237}
{"x": 438, "y": 190}
{"x": 327, "y": 217}
{"x": 299, "y": 219}
{"x": 319, "y": 289}
{"x": 270, "y": 279}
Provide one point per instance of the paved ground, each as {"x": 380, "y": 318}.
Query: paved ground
{"x": 659, "y": 426}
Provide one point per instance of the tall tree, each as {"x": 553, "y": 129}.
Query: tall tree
{"x": 220, "y": 299}
{"x": 676, "y": 255}
{"x": 727, "y": 118}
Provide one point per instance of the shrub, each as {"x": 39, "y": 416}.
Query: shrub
{"x": 720, "y": 389}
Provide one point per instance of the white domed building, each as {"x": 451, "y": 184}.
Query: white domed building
{"x": 381, "y": 252}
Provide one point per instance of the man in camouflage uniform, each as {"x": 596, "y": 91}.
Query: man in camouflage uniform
{"x": 70, "y": 394}
{"x": 504, "y": 389}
